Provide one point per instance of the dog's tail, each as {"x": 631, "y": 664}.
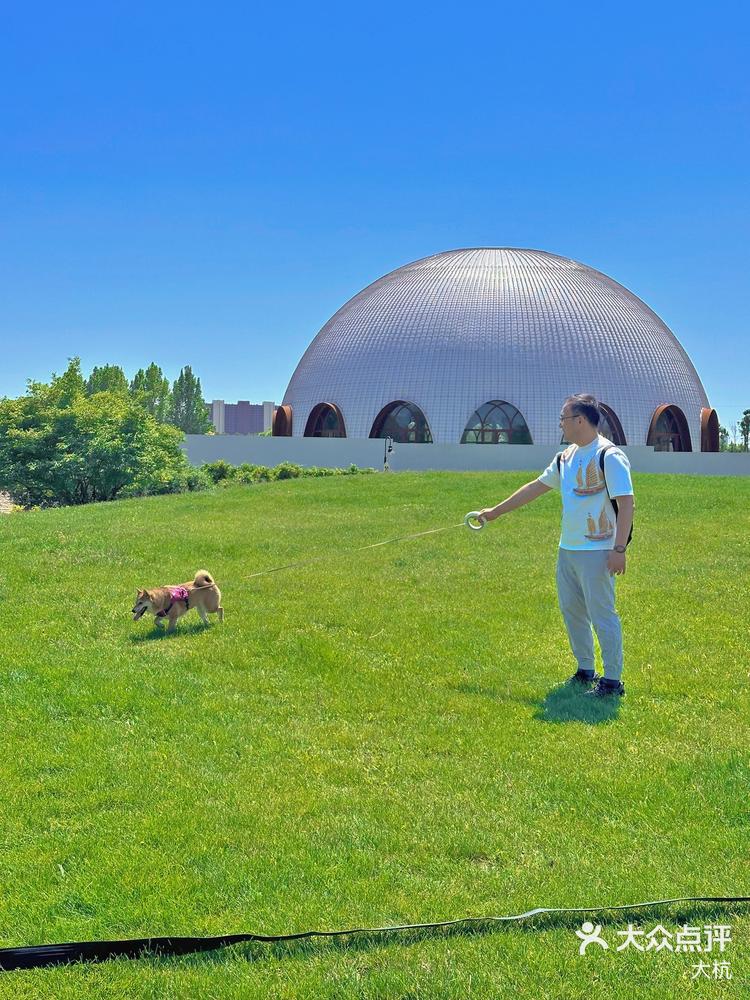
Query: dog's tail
{"x": 203, "y": 579}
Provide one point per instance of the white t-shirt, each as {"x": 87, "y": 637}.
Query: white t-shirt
{"x": 588, "y": 517}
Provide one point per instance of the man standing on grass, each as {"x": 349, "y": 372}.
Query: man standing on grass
{"x": 590, "y": 474}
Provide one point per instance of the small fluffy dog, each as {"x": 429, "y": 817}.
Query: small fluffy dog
{"x": 173, "y": 602}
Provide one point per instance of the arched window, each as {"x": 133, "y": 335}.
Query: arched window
{"x": 709, "y": 429}
{"x": 610, "y": 426}
{"x": 282, "y": 422}
{"x": 325, "y": 420}
{"x": 403, "y": 422}
{"x": 669, "y": 430}
{"x": 496, "y": 422}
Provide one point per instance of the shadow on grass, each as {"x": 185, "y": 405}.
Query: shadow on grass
{"x": 568, "y": 703}
{"x": 562, "y": 704}
{"x": 255, "y": 951}
{"x": 158, "y": 632}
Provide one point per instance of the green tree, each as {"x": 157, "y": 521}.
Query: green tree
{"x": 733, "y": 434}
{"x": 63, "y": 389}
{"x": 151, "y": 388}
{"x": 723, "y": 439}
{"x": 188, "y": 410}
{"x": 60, "y": 446}
{"x": 745, "y": 428}
{"x": 108, "y": 378}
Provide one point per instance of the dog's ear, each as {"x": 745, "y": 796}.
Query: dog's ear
{"x": 146, "y": 595}
{"x": 139, "y": 594}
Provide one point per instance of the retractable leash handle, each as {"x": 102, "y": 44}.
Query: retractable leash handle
{"x": 473, "y": 515}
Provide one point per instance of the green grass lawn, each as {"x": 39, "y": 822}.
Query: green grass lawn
{"x": 377, "y": 738}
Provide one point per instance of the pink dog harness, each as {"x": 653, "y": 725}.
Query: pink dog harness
{"x": 177, "y": 594}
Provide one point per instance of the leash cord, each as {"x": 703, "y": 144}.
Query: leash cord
{"x": 327, "y": 555}
{"x": 14, "y": 959}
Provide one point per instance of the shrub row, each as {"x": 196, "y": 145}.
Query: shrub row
{"x": 222, "y": 472}
{"x": 189, "y": 478}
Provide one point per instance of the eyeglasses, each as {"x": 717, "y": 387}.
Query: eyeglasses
{"x": 568, "y": 416}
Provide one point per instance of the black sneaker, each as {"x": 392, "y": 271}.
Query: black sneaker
{"x": 583, "y": 677}
{"x": 605, "y": 688}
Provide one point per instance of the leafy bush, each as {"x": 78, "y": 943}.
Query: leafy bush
{"x": 244, "y": 473}
{"x": 248, "y": 473}
{"x": 187, "y": 480}
{"x": 219, "y": 470}
{"x": 224, "y": 474}
{"x": 287, "y": 470}
{"x": 196, "y": 480}
{"x": 60, "y": 446}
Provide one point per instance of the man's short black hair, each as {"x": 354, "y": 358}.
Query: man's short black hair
{"x": 583, "y": 404}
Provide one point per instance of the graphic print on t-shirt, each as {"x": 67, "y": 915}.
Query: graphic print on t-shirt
{"x": 593, "y": 482}
{"x": 605, "y": 526}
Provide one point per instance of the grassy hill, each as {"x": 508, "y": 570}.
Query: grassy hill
{"x": 375, "y": 738}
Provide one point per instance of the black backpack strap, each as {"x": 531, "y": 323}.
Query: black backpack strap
{"x": 612, "y": 500}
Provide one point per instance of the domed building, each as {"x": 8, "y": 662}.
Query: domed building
{"x": 481, "y": 346}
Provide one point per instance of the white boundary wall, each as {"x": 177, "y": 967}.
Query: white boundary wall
{"x": 367, "y": 452}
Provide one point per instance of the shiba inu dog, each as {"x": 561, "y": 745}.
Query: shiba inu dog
{"x": 172, "y": 602}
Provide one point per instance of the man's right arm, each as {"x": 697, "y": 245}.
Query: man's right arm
{"x": 523, "y": 496}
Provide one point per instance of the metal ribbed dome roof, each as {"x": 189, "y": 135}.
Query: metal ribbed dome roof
{"x": 458, "y": 329}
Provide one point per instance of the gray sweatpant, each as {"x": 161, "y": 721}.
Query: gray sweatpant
{"x": 586, "y": 593}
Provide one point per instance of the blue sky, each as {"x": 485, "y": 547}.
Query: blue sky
{"x": 206, "y": 184}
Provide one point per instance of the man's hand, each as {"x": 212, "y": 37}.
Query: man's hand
{"x": 487, "y": 514}
{"x": 616, "y": 563}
